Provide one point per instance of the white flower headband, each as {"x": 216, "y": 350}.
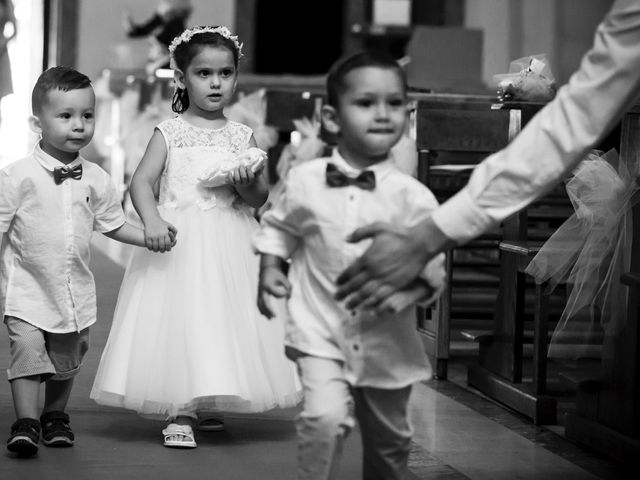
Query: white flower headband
{"x": 186, "y": 36}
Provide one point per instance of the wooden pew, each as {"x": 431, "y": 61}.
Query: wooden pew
{"x": 607, "y": 416}
{"x": 463, "y": 129}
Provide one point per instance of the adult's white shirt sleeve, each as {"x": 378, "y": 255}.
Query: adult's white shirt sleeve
{"x": 559, "y": 136}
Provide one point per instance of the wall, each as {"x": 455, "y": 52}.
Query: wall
{"x": 563, "y": 29}
{"x": 103, "y": 44}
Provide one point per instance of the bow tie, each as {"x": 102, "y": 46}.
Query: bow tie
{"x": 337, "y": 178}
{"x": 60, "y": 174}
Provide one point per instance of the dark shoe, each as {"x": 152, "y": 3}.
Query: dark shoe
{"x": 56, "y": 431}
{"x": 210, "y": 424}
{"x": 24, "y": 437}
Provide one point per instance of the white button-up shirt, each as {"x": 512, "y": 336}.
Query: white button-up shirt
{"x": 309, "y": 224}
{"x": 44, "y": 275}
{"x": 559, "y": 136}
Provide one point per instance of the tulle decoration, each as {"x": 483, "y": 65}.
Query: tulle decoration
{"x": 529, "y": 80}
{"x": 589, "y": 252}
{"x": 307, "y": 146}
{"x": 251, "y": 110}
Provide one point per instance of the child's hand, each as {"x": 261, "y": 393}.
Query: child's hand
{"x": 414, "y": 293}
{"x": 273, "y": 283}
{"x": 244, "y": 175}
{"x": 173, "y": 234}
{"x": 159, "y": 236}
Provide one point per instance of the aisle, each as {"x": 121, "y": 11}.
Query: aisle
{"x": 458, "y": 434}
{"x": 116, "y": 444}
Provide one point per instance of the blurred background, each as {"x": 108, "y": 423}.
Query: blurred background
{"x": 453, "y": 45}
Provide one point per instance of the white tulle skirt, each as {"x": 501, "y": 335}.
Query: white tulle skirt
{"x": 186, "y": 333}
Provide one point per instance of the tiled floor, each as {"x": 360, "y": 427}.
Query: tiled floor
{"x": 459, "y": 434}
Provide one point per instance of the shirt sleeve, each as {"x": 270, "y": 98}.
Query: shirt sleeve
{"x": 279, "y": 232}
{"x": 559, "y": 136}
{"x": 8, "y": 201}
{"x": 108, "y": 211}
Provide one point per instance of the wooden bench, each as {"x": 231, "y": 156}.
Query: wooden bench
{"x": 459, "y": 130}
{"x": 500, "y": 367}
{"x": 607, "y": 417}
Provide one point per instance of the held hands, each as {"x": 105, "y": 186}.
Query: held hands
{"x": 273, "y": 282}
{"x": 394, "y": 259}
{"x": 414, "y": 293}
{"x": 160, "y": 236}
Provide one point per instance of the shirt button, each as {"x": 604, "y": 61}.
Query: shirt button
{"x": 356, "y": 347}
{"x": 351, "y": 197}
{"x": 354, "y": 313}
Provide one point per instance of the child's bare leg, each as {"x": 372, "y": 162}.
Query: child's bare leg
{"x": 57, "y": 395}
{"x": 184, "y": 420}
{"x": 25, "y": 392}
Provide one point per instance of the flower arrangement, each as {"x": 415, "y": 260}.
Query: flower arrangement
{"x": 188, "y": 34}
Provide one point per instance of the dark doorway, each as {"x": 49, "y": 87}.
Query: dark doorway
{"x": 297, "y": 37}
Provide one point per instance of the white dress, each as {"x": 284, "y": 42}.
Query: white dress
{"x": 186, "y": 333}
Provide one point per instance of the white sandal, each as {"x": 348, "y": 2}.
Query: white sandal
{"x": 179, "y": 436}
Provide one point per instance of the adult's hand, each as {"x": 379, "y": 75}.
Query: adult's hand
{"x": 395, "y": 258}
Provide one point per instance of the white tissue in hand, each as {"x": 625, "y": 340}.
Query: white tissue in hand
{"x": 219, "y": 175}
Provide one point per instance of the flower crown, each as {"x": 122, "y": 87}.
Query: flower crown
{"x": 188, "y": 34}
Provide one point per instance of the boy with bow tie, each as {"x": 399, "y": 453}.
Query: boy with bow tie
{"x": 50, "y": 204}
{"x": 346, "y": 358}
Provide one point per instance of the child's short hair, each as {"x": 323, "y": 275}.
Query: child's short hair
{"x": 366, "y": 58}
{"x": 56, "y": 78}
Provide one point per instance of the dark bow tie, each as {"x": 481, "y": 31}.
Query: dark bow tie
{"x": 60, "y": 174}
{"x": 337, "y": 178}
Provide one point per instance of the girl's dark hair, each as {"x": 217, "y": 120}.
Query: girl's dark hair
{"x": 185, "y": 52}
{"x": 367, "y": 58}
{"x": 56, "y": 78}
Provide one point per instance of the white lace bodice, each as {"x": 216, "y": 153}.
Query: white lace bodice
{"x": 192, "y": 151}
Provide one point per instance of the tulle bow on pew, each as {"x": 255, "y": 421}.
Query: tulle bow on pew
{"x": 589, "y": 252}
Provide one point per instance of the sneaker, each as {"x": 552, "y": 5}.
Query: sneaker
{"x": 24, "y": 437}
{"x": 56, "y": 431}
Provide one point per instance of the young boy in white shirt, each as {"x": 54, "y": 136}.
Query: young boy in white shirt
{"x": 346, "y": 358}
{"x": 50, "y": 203}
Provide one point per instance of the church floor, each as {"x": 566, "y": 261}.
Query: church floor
{"x": 459, "y": 434}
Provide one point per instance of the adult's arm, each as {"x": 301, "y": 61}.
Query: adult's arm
{"x": 553, "y": 142}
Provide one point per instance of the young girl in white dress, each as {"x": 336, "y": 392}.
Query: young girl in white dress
{"x": 187, "y": 340}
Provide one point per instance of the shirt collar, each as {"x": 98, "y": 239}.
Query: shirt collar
{"x": 48, "y": 162}
{"x": 381, "y": 169}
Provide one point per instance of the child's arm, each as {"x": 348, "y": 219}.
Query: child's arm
{"x": 156, "y": 230}
{"x": 133, "y": 235}
{"x": 251, "y": 186}
{"x": 272, "y": 282}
